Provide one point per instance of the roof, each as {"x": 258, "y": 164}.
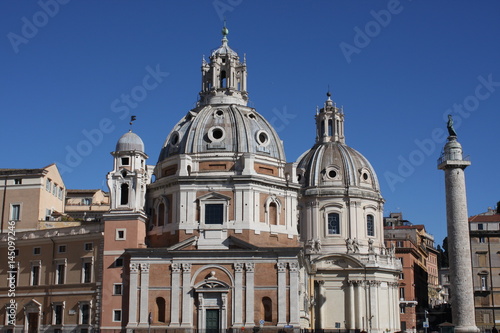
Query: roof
{"x": 415, "y": 226}
{"x": 130, "y": 141}
{"x": 10, "y": 171}
{"x": 485, "y": 218}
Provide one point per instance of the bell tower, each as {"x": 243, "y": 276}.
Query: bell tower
{"x": 224, "y": 78}
{"x": 125, "y": 223}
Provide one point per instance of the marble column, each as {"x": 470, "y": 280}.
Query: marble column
{"x": 250, "y": 296}
{"x": 350, "y": 316}
{"x": 453, "y": 164}
{"x": 132, "y": 300}
{"x": 294, "y": 294}
{"x": 281, "y": 293}
{"x": 175, "y": 291}
{"x": 359, "y": 301}
{"x": 144, "y": 306}
{"x": 186, "y": 296}
{"x": 238, "y": 294}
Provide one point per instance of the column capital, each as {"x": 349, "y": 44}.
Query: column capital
{"x": 186, "y": 267}
{"x": 238, "y": 267}
{"x": 281, "y": 266}
{"x": 294, "y": 266}
{"x": 134, "y": 267}
{"x": 250, "y": 266}
{"x": 176, "y": 267}
{"x": 145, "y": 267}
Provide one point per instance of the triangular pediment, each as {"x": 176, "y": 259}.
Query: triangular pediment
{"x": 213, "y": 196}
{"x": 184, "y": 244}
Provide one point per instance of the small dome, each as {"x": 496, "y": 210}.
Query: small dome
{"x": 335, "y": 165}
{"x": 130, "y": 141}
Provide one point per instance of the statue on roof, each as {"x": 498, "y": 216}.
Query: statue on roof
{"x": 451, "y": 130}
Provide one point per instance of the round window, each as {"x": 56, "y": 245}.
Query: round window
{"x": 219, "y": 113}
{"x": 216, "y": 134}
{"x": 175, "y": 139}
{"x": 332, "y": 174}
{"x": 365, "y": 176}
{"x": 262, "y": 138}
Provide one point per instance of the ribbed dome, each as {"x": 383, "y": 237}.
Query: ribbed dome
{"x": 223, "y": 129}
{"x": 130, "y": 141}
{"x": 336, "y": 165}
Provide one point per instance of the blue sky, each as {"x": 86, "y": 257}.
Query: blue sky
{"x": 397, "y": 67}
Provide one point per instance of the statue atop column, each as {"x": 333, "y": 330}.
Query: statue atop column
{"x": 451, "y": 130}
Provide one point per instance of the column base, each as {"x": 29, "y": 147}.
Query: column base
{"x": 466, "y": 329}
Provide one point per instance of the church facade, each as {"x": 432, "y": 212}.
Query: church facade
{"x": 213, "y": 242}
{"x": 222, "y": 233}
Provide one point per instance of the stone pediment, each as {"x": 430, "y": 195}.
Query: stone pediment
{"x": 333, "y": 262}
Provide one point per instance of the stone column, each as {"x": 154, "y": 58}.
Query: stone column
{"x": 249, "y": 307}
{"x": 186, "y": 295}
{"x": 451, "y": 162}
{"x": 132, "y": 301}
{"x": 350, "y": 316}
{"x": 294, "y": 294}
{"x": 359, "y": 302}
{"x": 175, "y": 291}
{"x": 281, "y": 293}
{"x": 238, "y": 294}
{"x": 144, "y": 307}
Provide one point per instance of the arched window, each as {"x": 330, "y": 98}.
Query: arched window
{"x": 370, "y": 225}
{"x": 223, "y": 79}
{"x": 267, "y": 309}
{"x": 160, "y": 309}
{"x": 333, "y": 224}
{"x": 124, "y": 194}
{"x": 273, "y": 213}
{"x": 161, "y": 214}
{"x": 330, "y": 127}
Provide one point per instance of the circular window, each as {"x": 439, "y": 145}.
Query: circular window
{"x": 262, "y": 138}
{"x": 216, "y": 134}
{"x": 365, "y": 176}
{"x": 219, "y": 113}
{"x": 332, "y": 174}
{"x": 175, "y": 139}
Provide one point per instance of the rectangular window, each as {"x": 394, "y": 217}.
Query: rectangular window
{"x": 54, "y": 189}
{"x": 48, "y": 185}
{"x": 117, "y": 289}
{"x": 84, "y": 313}
{"x": 480, "y": 226}
{"x": 370, "y": 225}
{"x": 401, "y": 276}
{"x": 117, "y": 315}
{"x": 48, "y": 214}
{"x": 401, "y": 259}
{"x": 61, "y": 190}
{"x": 402, "y": 293}
{"x": 60, "y": 273}
{"x": 88, "y": 246}
{"x": 87, "y": 201}
{"x": 87, "y": 270}
{"x": 18, "y": 181}
{"x": 35, "y": 274}
{"x": 484, "y": 282}
{"x": 333, "y": 224}
{"x": 15, "y": 212}
{"x": 214, "y": 213}
{"x": 61, "y": 249}
{"x": 37, "y": 250}
{"x": 57, "y": 316}
{"x": 402, "y": 309}
{"x": 125, "y": 161}
{"x": 482, "y": 240}
{"x": 120, "y": 234}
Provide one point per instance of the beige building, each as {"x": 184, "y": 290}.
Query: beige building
{"x": 485, "y": 249}
{"x": 86, "y": 205}
{"x": 29, "y": 196}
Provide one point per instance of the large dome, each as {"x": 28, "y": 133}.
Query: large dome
{"x": 223, "y": 129}
{"x": 336, "y": 165}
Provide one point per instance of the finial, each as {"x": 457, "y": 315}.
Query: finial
{"x": 225, "y": 31}
{"x": 328, "y": 93}
{"x": 451, "y": 129}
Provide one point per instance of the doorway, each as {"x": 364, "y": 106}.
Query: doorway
{"x": 212, "y": 320}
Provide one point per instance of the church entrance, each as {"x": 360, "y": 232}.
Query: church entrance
{"x": 212, "y": 320}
